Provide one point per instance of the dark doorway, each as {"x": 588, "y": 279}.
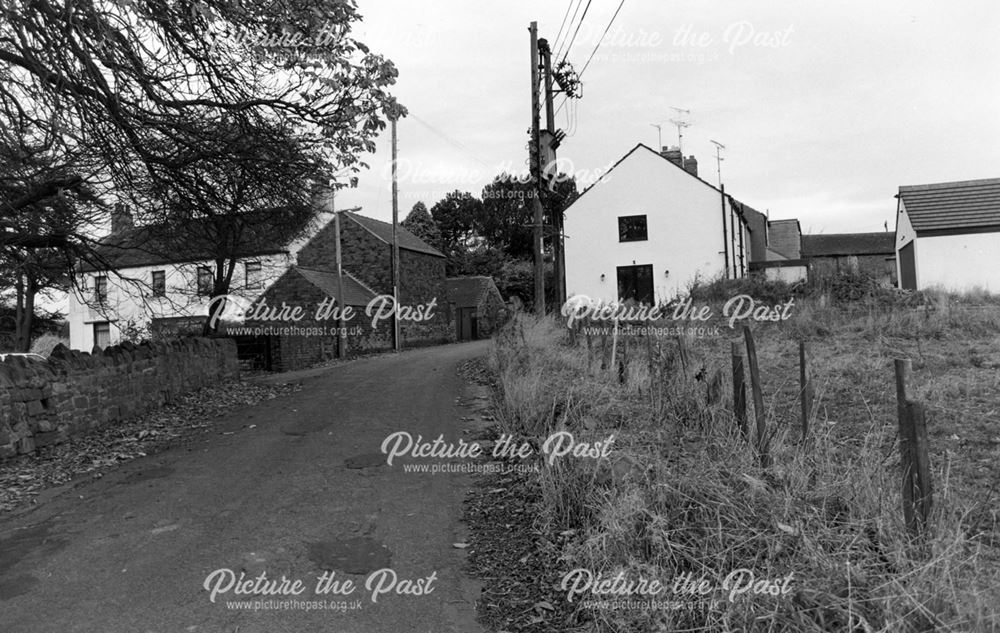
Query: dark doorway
{"x": 254, "y": 352}
{"x": 466, "y": 324}
{"x": 636, "y": 282}
{"x": 907, "y": 268}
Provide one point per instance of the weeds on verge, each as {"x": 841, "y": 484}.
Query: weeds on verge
{"x": 683, "y": 492}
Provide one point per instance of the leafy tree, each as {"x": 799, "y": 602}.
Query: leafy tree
{"x": 507, "y": 217}
{"x": 169, "y": 99}
{"x": 455, "y": 216}
{"x": 419, "y": 222}
{"x": 258, "y": 191}
{"x": 123, "y": 75}
{"x": 47, "y": 212}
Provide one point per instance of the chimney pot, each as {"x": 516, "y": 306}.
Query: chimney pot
{"x": 121, "y": 218}
{"x": 691, "y": 165}
{"x": 673, "y": 154}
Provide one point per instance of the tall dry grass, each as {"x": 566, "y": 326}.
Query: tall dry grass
{"x": 684, "y": 492}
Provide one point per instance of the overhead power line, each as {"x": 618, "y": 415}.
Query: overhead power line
{"x": 600, "y": 41}
{"x": 577, "y": 31}
{"x": 569, "y": 6}
{"x": 594, "y": 52}
{"x": 571, "y": 21}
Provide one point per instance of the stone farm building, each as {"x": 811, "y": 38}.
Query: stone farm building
{"x": 478, "y": 307}
{"x": 142, "y": 289}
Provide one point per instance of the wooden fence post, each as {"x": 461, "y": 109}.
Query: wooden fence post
{"x": 682, "y": 354}
{"x": 739, "y": 390}
{"x": 758, "y": 398}
{"x": 806, "y": 388}
{"x": 914, "y": 458}
{"x": 614, "y": 343}
{"x": 604, "y": 349}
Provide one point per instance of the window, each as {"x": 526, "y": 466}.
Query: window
{"x": 636, "y": 282}
{"x": 206, "y": 281}
{"x": 632, "y": 228}
{"x": 254, "y": 281}
{"x": 159, "y": 283}
{"x": 101, "y": 289}
{"x": 102, "y": 334}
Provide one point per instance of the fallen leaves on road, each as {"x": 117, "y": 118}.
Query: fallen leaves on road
{"x": 23, "y": 478}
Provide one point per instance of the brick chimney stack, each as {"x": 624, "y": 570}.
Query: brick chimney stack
{"x": 121, "y": 218}
{"x": 691, "y": 165}
{"x": 673, "y": 154}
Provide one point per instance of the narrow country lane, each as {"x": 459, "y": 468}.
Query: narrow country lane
{"x": 291, "y": 487}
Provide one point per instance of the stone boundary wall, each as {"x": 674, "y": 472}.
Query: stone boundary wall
{"x": 44, "y": 403}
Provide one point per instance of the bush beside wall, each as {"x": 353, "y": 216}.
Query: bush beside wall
{"x": 46, "y": 403}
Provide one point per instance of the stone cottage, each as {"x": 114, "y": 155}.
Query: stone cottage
{"x": 478, "y": 306}
{"x": 366, "y": 263}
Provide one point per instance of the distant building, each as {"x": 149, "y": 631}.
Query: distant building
{"x": 650, "y": 228}
{"x": 871, "y": 254}
{"x": 477, "y": 306}
{"x": 144, "y": 287}
{"x": 948, "y": 235}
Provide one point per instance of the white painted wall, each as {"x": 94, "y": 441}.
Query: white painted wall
{"x": 959, "y": 263}
{"x": 130, "y": 301}
{"x": 684, "y": 221}
{"x": 787, "y": 274}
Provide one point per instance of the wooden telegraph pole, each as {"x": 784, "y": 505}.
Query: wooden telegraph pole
{"x": 395, "y": 238}
{"x": 536, "y": 175}
{"x": 341, "y": 324}
{"x": 558, "y": 257}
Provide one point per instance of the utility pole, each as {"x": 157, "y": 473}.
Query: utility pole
{"x": 718, "y": 158}
{"x": 341, "y": 325}
{"x": 535, "y": 153}
{"x": 558, "y": 254}
{"x": 395, "y": 239}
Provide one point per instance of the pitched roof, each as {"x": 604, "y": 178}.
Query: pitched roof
{"x": 355, "y": 292}
{"x": 834, "y": 244}
{"x": 632, "y": 151}
{"x": 147, "y": 246}
{"x": 468, "y": 292}
{"x": 383, "y": 231}
{"x": 969, "y": 204}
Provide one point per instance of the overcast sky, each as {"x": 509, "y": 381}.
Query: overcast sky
{"x": 824, "y": 109}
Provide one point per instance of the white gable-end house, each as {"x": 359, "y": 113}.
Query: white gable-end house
{"x": 948, "y": 236}
{"x": 649, "y": 229}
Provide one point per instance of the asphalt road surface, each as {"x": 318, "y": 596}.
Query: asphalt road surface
{"x": 294, "y": 487}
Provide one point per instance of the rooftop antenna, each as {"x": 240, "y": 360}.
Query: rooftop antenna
{"x": 718, "y": 158}
{"x": 681, "y": 124}
{"x": 659, "y": 136}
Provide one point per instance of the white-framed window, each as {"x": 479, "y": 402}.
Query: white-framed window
{"x": 206, "y": 281}
{"x": 102, "y": 334}
{"x": 101, "y": 289}
{"x": 159, "y": 283}
{"x": 253, "y": 275}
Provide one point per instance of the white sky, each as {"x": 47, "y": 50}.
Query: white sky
{"x": 859, "y": 98}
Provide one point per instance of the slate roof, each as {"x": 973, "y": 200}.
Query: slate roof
{"x": 969, "y": 204}
{"x": 355, "y": 292}
{"x": 625, "y": 157}
{"x": 146, "y": 246}
{"x": 469, "y": 292}
{"x": 839, "y": 244}
{"x": 383, "y": 231}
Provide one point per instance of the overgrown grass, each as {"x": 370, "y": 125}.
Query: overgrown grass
{"x": 683, "y": 491}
